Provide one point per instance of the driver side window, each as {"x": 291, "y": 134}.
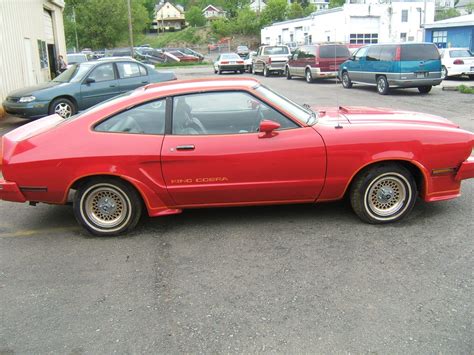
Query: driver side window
{"x": 103, "y": 72}
{"x": 361, "y": 53}
{"x": 222, "y": 113}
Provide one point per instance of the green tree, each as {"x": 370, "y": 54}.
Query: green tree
{"x": 336, "y": 3}
{"x": 275, "y": 10}
{"x": 195, "y": 17}
{"x": 308, "y": 10}
{"x": 246, "y": 22}
{"x": 446, "y": 13}
{"x": 470, "y": 7}
{"x": 295, "y": 11}
{"x": 103, "y": 23}
{"x": 222, "y": 27}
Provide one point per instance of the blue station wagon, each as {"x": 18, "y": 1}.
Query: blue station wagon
{"x": 405, "y": 65}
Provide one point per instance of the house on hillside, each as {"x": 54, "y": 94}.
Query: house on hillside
{"x": 211, "y": 12}
{"x": 257, "y": 5}
{"x": 32, "y": 37}
{"x": 168, "y": 17}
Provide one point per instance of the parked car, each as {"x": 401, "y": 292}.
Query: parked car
{"x": 271, "y": 59}
{"x": 292, "y": 46}
{"x": 406, "y": 65}
{"x": 317, "y": 61}
{"x": 186, "y": 51}
{"x": 209, "y": 143}
{"x": 242, "y": 51}
{"x": 229, "y": 62}
{"x": 118, "y": 52}
{"x": 457, "y": 62}
{"x": 82, "y": 86}
{"x": 180, "y": 56}
{"x": 248, "y": 59}
{"x": 74, "y": 58}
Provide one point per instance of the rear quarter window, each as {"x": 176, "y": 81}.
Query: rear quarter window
{"x": 334, "y": 51}
{"x": 412, "y": 52}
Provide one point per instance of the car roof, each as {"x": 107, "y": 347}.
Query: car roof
{"x": 200, "y": 84}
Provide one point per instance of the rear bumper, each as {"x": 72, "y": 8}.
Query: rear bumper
{"x": 9, "y": 191}
{"x": 232, "y": 67}
{"x": 412, "y": 83}
{"x": 466, "y": 170}
{"x": 317, "y": 73}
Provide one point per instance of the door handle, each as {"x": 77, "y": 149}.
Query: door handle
{"x": 112, "y": 86}
{"x": 145, "y": 82}
{"x": 185, "y": 147}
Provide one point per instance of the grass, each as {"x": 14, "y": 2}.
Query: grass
{"x": 465, "y": 89}
{"x": 188, "y": 36}
{"x": 182, "y": 64}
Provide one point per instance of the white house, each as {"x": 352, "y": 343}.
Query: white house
{"x": 257, "y": 5}
{"x": 213, "y": 12}
{"x": 32, "y": 37}
{"x": 368, "y": 21}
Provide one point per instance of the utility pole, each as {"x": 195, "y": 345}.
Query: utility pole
{"x": 75, "y": 28}
{"x": 424, "y": 19}
{"x": 130, "y": 29}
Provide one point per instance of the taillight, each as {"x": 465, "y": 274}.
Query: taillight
{"x": 225, "y": 62}
{"x": 458, "y": 61}
{"x": 1, "y": 153}
{"x": 398, "y": 53}
{"x": 240, "y": 62}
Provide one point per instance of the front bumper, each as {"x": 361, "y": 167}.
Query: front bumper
{"x": 466, "y": 170}
{"x": 35, "y": 109}
{"x": 9, "y": 191}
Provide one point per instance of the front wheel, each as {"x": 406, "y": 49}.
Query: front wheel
{"x": 382, "y": 85}
{"x": 424, "y": 89}
{"x": 346, "y": 80}
{"x": 308, "y": 76}
{"x": 287, "y": 72}
{"x": 63, "y": 107}
{"x": 383, "y": 194}
{"x": 107, "y": 207}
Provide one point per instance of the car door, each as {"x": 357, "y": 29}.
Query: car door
{"x": 101, "y": 84}
{"x": 131, "y": 75}
{"x": 215, "y": 156}
{"x": 357, "y": 66}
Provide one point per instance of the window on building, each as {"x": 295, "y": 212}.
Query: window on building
{"x": 363, "y": 38}
{"x": 404, "y": 15}
{"x": 440, "y": 37}
{"x": 43, "y": 54}
{"x": 403, "y": 37}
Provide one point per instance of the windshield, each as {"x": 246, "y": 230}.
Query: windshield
{"x": 303, "y": 114}
{"x": 460, "y": 53}
{"x": 76, "y": 58}
{"x": 230, "y": 56}
{"x": 73, "y": 74}
{"x": 276, "y": 50}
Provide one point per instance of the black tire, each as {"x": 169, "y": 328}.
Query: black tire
{"x": 424, "y": 89}
{"x": 288, "y": 74}
{"x": 471, "y": 76}
{"x": 266, "y": 72}
{"x": 384, "y": 193}
{"x": 308, "y": 76}
{"x": 382, "y": 85}
{"x": 242, "y": 71}
{"x": 63, "y": 107}
{"x": 444, "y": 72}
{"x": 219, "y": 71}
{"x": 107, "y": 207}
{"x": 252, "y": 70}
{"x": 346, "y": 80}
{"x": 215, "y": 71}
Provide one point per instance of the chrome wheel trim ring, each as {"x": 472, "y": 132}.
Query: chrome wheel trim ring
{"x": 444, "y": 72}
{"x": 387, "y": 196}
{"x": 345, "y": 79}
{"x": 381, "y": 85}
{"x": 105, "y": 208}
{"x": 308, "y": 76}
{"x": 63, "y": 109}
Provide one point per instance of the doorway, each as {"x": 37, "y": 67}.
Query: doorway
{"x": 53, "y": 67}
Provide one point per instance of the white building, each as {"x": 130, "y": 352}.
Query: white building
{"x": 369, "y": 21}
{"x": 31, "y": 38}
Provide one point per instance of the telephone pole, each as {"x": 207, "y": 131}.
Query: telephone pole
{"x": 130, "y": 29}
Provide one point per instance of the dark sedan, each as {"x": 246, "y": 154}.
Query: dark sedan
{"x": 82, "y": 86}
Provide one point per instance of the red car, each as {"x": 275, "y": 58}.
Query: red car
{"x": 221, "y": 142}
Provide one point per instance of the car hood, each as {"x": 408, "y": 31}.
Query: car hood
{"x": 375, "y": 115}
{"x": 31, "y": 90}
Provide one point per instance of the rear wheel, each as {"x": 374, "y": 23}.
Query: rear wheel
{"x": 424, "y": 89}
{"x": 287, "y": 72}
{"x": 346, "y": 80}
{"x": 444, "y": 72}
{"x": 63, "y": 107}
{"x": 471, "y": 76}
{"x": 382, "y": 85}
{"x": 308, "y": 76}
{"x": 383, "y": 194}
{"x": 219, "y": 70}
{"x": 242, "y": 71}
{"x": 107, "y": 207}
{"x": 266, "y": 72}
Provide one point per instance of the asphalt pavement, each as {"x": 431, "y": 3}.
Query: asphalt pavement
{"x": 284, "y": 279}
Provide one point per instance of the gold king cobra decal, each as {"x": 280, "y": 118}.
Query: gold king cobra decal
{"x": 200, "y": 180}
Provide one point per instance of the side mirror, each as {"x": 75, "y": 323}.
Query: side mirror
{"x": 267, "y": 127}
{"x": 352, "y": 57}
{"x": 90, "y": 81}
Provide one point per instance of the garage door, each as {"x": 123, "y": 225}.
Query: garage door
{"x": 48, "y": 27}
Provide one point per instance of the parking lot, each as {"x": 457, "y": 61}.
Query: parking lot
{"x": 286, "y": 279}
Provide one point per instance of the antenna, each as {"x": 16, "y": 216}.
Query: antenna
{"x": 336, "y": 81}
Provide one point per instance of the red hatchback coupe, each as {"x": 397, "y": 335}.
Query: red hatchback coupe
{"x": 221, "y": 142}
